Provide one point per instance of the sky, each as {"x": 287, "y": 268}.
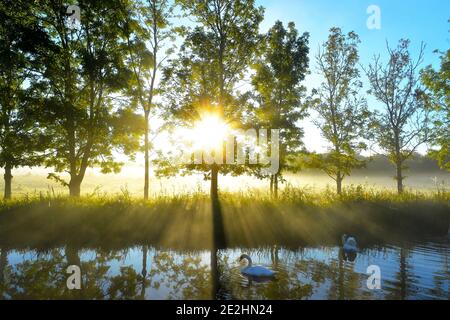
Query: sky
{"x": 417, "y": 20}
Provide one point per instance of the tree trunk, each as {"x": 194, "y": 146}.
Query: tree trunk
{"x": 72, "y": 256}
{"x": 403, "y": 274}
{"x": 275, "y": 186}
{"x": 144, "y": 271}
{"x": 147, "y": 160}
{"x": 215, "y": 280}
{"x": 3, "y": 264}
{"x": 75, "y": 187}
{"x": 398, "y": 162}
{"x": 341, "y": 277}
{"x": 271, "y": 185}
{"x": 214, "y": 182}
{"x": 399, "y": 178}
{"x": 339, "y": 183}
{"x": 8, "y": 181}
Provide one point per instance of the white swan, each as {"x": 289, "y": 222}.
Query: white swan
{"x": 349, "y": 244}
{"x": 255, "y": 271}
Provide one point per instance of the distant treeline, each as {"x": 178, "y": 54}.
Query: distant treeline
{"x": 417, "y": 164}
{"x": 379, "y": 164}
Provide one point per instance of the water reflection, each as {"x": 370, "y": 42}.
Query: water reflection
{"x": 409, "y": 271}
{"x": 348, "y": 256}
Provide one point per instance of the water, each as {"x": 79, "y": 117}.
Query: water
{"x": 408, "y": 271}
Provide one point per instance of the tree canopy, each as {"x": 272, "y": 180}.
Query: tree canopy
{"x": 279, "y": 72}
{"x": 343, "y": 114}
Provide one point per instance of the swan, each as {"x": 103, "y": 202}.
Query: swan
{"x": 255, "y": 271}
{"x": 349, "y": 244}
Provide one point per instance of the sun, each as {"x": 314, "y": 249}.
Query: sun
{"x": 209, "y": 132}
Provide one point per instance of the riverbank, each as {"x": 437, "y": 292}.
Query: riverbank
{"x": 250, "y": 219}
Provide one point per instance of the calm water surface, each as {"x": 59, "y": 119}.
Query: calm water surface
{"x": 418, "y": 270}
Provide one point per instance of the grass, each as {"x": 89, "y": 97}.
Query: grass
{"x": 251, "y": 219}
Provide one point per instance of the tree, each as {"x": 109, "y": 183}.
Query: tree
{"x": 343, "y": 114}
{"x": 279, "y": 72}
{"x": 84, "y": 72}
{"x": 437, "y": 84}
{"x": 21, "y": 140}
{"x": 214, "y": 58}
{"x": 404, "y": 124}
{"x": 147, "y": 31}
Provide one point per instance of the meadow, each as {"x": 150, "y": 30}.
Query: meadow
{"x": 250, "y": 219}
{"x": 34, "y": 182}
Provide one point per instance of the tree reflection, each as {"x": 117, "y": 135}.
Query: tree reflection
{"x": 144, "y": 281}
{"x": 183, "y": 276}
{"x": 43, "y": 276}
{"x": 3, "y": 270}
{"x": 300, "y": 274}
{"x": 441, "y": 279}
{"x": 403, "y": 285}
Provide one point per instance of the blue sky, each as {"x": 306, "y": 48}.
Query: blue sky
{"x": 417, "y": 20}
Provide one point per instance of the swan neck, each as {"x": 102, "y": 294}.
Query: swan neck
{"x": 249, "y": 260}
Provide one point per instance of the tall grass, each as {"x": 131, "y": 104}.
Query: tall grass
{"x": 251, "y": 219}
